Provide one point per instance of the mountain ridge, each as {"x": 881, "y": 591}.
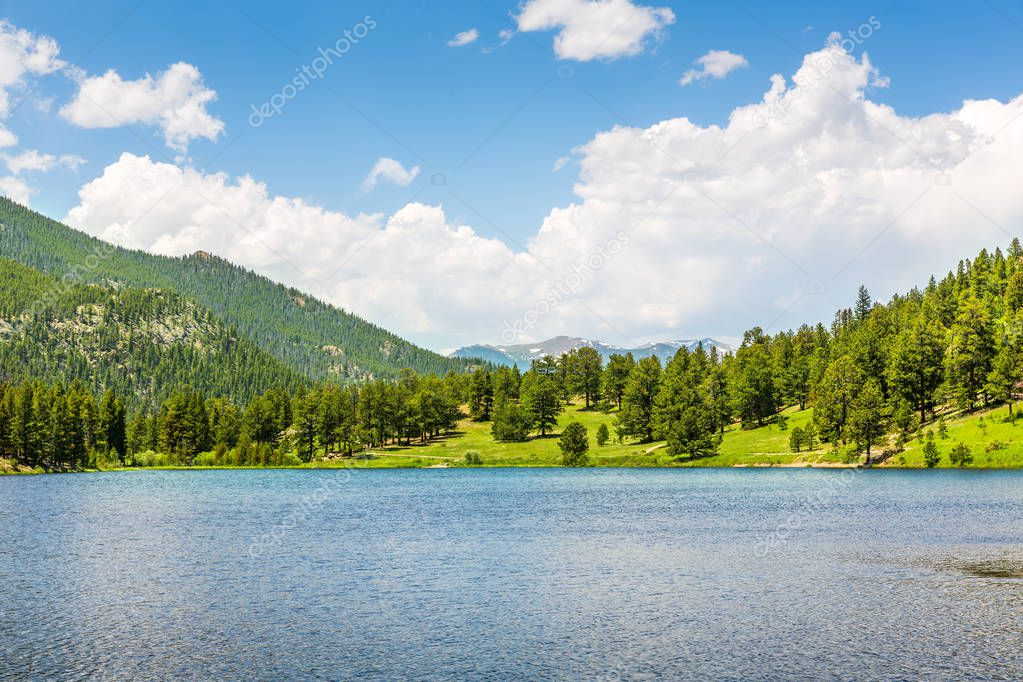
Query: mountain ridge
{"x": 522, "y": 355}
{"x": 310, "y": 337}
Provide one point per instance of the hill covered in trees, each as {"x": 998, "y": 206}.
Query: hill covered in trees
{"x": 876, "y": 377}
{"x": 309, "y": 337}
{"x": 878, "y": 383}
{"x": 141, "y": 343}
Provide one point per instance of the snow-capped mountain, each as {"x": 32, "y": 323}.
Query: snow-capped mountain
{"x": 522, "y": 355}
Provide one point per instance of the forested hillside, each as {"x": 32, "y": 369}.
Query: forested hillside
{"x": 142, "y": 343}
{"x": 879, "y": 379}
{"x": 309, "y": 337}
{"x": 876, "y": 378}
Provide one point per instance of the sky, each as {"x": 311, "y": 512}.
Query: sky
{"x": 502, "y": 172}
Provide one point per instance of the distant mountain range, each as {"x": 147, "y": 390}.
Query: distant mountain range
{"x": 522, "y": 355}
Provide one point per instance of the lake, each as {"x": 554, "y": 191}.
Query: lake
{"x": 514, "y": 573}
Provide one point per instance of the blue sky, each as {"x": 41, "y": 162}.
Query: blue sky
{"x": 492, "y": 116}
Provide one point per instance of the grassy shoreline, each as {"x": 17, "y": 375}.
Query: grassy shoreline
{"x": 996, "y": 444}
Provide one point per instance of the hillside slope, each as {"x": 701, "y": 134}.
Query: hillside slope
{"x": 312, "y": 338}
{"x": 143, "y": 343}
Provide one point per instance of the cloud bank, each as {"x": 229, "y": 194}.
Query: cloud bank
{"x": 772, "y": 218}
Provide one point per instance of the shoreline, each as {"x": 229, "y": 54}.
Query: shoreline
{"x": 753, "y": 466}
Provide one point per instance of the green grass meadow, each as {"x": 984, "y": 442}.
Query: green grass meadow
{"x": 994, "y": 441}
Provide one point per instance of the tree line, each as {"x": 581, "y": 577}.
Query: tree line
{"x": 60, "y": 427}
{"x": 877, "y": 368}
{"x": 955, "y": 344}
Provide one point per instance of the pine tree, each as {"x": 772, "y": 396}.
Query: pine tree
{"x": 541, "y": 398}
{"x": 917, "y": 366}
{"x": 1006, "y": 372}
{"x": 574, "y": 444}
{"x": 585, "y": 373}
{"x": 834, "y": 398}
{"x": 636, "y": 418}
{"x": 868, "y": 420}
{"x": 796, "y": 439}
{"x": 682, "y": 414}
{"x": 481, "y": 396}
{"x": 511, "y": 422}
{"x": 931, "y": 455}
{"x": 754, "y": 394}
{"x": 970, "y": 352}
{"x": 864, "y": 304}
{"x": 616, "y": 377}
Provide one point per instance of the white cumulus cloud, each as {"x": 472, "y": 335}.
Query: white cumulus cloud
{"x": 22, "y": 53}
{"x": 391, "y": 171}
{"x": 17, "y": 189}
{"x": 715, "y": 64}
{"x": 464, "y": 38}
{"x": 595, "y": 29}
{"x": 33, "y": 160}
{"x": 770, "y": 218}
{"x": 175, "y": 100}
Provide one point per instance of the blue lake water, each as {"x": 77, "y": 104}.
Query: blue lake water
{"x": 589, "y": 574}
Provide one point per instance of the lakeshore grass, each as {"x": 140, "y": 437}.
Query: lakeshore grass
{"x": 995, "y": 442}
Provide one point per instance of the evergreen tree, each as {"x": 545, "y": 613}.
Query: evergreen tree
{"x": 541, "y": 398}
{"x": 961, "y": 456}
{"x": 970, "y": 352}
{"x": 574, "y": 445}
{"x": 481, "y": 396}
{"x": 585, "y": 368}
{"x": 796, "y": 439}
{"x": 917, "y": 365}
{"x": 867, "y": 416}
{"x": 931, "y": 455}
{"x": 1006, "y": 372}
{"x": 636, "y": 418}
{"x": 511, "y": 422}
{"x": 682, "y": 414}
{"x": 754, "y": 394}
{"x": 834, "y": 398}
{"x": 863, "y": 304}
{"x": 112, "y": 425}
{"x": 616, "y": 377}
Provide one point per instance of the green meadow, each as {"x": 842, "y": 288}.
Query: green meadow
{"x": 994, "y": 442}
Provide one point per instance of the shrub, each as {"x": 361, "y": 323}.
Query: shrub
{"x": 205, "y": 459}
{"x": 574, "y": 445}
{"x": 782, "y": 420}
{"x": 290, "y": 459}
{"x": 961, "y": 455}
{"x": 510, "y": 422}
{"x": 603, "y": 435}
{"x": 472, "y": 458}
{"x": 996, "y": 445}
{"x": 153, "y": 459}
{"x": 931, "y": 455}
{"x": 809, "y": 436}
{"x": 796, "y": 439}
